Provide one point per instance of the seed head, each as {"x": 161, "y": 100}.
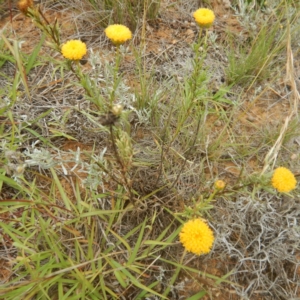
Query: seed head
{"x": 23, "y": 5}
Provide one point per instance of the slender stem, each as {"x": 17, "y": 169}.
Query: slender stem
{"x": 188, "y": 154}
{"x": 80, "y": 76}
{"x": 119, "y": 161}
{"x": 198, "y": 64}
{"x": 116, "y": 73}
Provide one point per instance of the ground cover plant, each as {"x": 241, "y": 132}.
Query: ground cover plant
{"x": 149, "y": 149}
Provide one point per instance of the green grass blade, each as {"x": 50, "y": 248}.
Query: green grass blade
{"x": 65, "y": 198}
{"x": 33, "y": 56}
{"x": 137, "y": 246}
{"x": 197, "y": 296}
{"x": 16, "y": 53}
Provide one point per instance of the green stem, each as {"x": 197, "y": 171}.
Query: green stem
{"x": 116, "y": 77}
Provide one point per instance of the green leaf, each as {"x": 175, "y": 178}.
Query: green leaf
{"x": 65, "y": 198}
{"x": 34, "y": 54}
{"x": 137, "y": 244}
{"x": 197, "y": 296}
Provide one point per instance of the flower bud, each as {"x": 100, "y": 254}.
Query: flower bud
{"x": 220, "y": 184}
{"x": 23, "y": 5}
{"x": 117, "y": 109}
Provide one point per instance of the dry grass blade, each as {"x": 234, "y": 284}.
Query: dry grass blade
{"x": 16, "y": 53}
{"x": 270, "y": 158}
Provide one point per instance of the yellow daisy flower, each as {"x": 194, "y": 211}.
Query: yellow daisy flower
{"x": 220, "y": 184}
{"x": 204, "y": 17}
{"x": 283, "y": 180}
{"x": 196, "y": 236}
{"x": 118, "y": 34}
{"x": 74, "y": 50}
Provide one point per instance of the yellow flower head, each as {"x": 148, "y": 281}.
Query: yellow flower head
{"x": 220, "y": 184}
{"x": 196, "y": 236}
{"x": 73, "y": 49}
{"x": 204, "y": 17}
{"x": 118, "y": 34}
{"x": 23, "y": 5}
{"x": 283, "y": 180}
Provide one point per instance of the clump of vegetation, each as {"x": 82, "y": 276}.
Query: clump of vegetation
{"x": 116, "y": 181}
{"x": 129, "y": 12}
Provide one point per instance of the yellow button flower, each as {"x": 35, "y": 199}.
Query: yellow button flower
{"x": 204, "y": 17}
{"x": 196, "y": 236}
{"x": 118, "y": 34}
{"x": 283, "y": 180}
{"x": 73, "y": 49}
{"x": 220, "y": 184}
